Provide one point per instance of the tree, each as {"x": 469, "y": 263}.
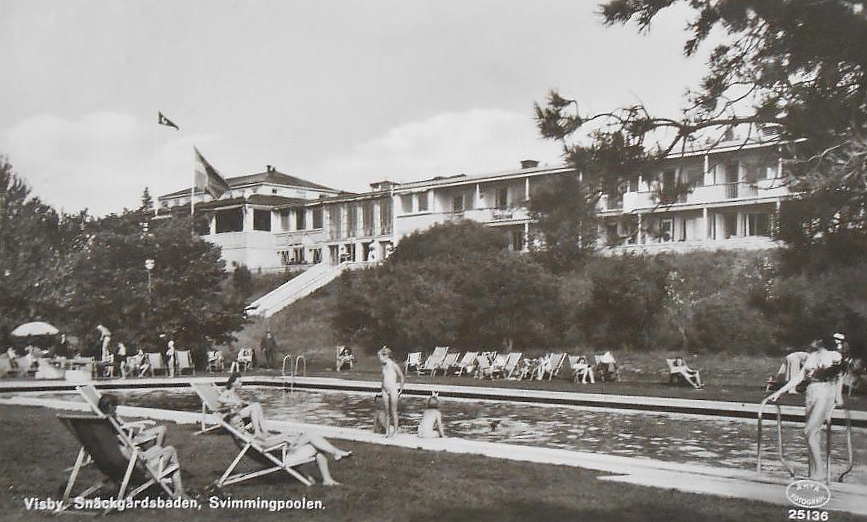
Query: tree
{"x": 797, "y": 67}
{"x": 184, "y": 294}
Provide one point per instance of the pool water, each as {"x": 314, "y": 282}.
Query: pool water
{"x": 727, "y": 443}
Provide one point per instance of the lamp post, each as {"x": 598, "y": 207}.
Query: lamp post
{"x": 149, "y": 266}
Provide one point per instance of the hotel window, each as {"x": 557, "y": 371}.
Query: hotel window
{"x": 694, "y": 176}
{"x": 502, "y": 200}
{"x": 300, "y": 218}
{"x": 231, "y": 220}
{"x": 406, "y": 203}
{"x": 351, "y": 220}
{"x": 284, "y": 220}
{"x": 423, "y": 204}
{"x": 666, "y": 229}
{"x": 518, "y": 240}
{"x": 298, "y": 254}
{"x": 317, "y": 217}
{"x": 262, "y": 220}
{"x": 458, "y": 203}
{"x": 757, "y": 225}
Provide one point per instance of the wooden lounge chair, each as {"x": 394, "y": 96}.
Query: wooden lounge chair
{"x": 555, "y": 365}
{"x": 450, "y": 361}
{"x": 142, "y": 432}
{"x": 343, "y": 357}
{"x": 434, "y": 361}
{"x": 119, "y": 459}
{"x": 184, "y": 360}
{"x": 156, "y": 364}
{"x": 582, "y": 371}
{"x": 413, "y": 360}
{"x": 216, "y": 362}
{"x": 498, "y": 363}
{"x": 484, "y": 368}
{"x": 606, "y": 367}
{"x": 273, "y": 458}
{"x": 511, "y": 363}
{"x": 467, "y": 363}
{"x": 245, "y": 359}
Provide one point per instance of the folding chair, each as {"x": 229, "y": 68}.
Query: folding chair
{"x": 344, "y": 356}
{"x": 273, "y": 458}
{"x": 484, "y": 368}
{"x": 450, "y": 361}
{"x": 511, "y": 363}
{"x": 142, "y": 432}
{"x": 498, "y": 364}
{"x": 156, "y": 363}
{"x": 467, "y": 363}
{"x": 245, "y": 359}
{"x": 122, "y": 462}
{"x": 433, "y": 363}
{"x": 555, "y": 364}
{"x": 216, "y": 362}
{"x": 413, "y": 360}
{"x": 184, "y": 360}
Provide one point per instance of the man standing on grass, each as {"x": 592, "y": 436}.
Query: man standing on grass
{"x": 268, "y": 345}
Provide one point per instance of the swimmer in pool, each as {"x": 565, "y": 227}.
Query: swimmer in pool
{"x": 431, "y": 425}
{"x": 390, "y": 390}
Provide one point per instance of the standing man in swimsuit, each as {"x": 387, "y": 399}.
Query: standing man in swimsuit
{"x": 390, "y": 389}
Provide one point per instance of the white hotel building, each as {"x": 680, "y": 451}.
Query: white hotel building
{"x": 271, "y": 221}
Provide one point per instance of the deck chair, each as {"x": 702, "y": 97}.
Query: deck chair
{"x": 484, "y": 367}
{"x": 156, "y": 363}
{"x": 128, "y": 468}
{"x": 434, "y": 361}
{"x": 467, "y": 362}
{"x": 273, "y": 458}
{"x": 675, "y": 376}
{"x": 582, "y": 371}
{"x": 6, "y": 366}
{"x": 143, "y": 430}
{"x": 511, "y": 363}
{"x": 342, "y": 358}
{"x": 184, "y": 360}
{"x": 244, "y": 359}
{"x": 413, "y": 360}
{"x": 498, "y": 364}
{"x": 450, "y": 361}
{"x": 606, "y": 370}
{"x": 216, "y": 362}
{"x": 555, "y": 365}
{"x": 26, "y": 366}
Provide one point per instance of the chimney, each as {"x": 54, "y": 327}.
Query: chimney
{"x": 529, "y": 164}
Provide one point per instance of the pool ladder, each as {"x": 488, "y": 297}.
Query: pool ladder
{"x": 781, "y": 452}
{"x": 300, "y": 360}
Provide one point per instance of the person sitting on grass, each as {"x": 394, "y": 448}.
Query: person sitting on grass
{"x": 431, "y": 425}
{"x": 231, "y": 402}
{"x": 691, "y": 376}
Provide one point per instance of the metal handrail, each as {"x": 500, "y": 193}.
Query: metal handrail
{"x": 780, "y": 450}
{"x": 283, "y": 370}
{"x": 298, "y": 359}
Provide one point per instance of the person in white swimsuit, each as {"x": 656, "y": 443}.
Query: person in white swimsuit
{"x": 390, "y": 390}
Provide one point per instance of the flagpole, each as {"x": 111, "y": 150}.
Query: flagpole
{"x": 156, "y": 173}
{"x": 193, "y": 195}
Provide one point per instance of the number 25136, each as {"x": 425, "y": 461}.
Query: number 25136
{"x": 808, "y": 514}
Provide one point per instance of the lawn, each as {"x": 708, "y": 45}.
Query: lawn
{"x": 379, "y": 483}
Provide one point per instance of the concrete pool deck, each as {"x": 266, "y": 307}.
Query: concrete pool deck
{"x": 734, "y": 483}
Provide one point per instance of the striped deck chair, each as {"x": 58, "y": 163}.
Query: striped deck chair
{"x": 184, "y": 360}
{"x": 413, "y": 360}
{"x": 498, "y": 364}
{"x": 272, "y": 457}
{"x": 467, "y": 363}
{"x": 142, "y": 432}
{"x": 122, "y": 462}
{"x": 450, "y": 361}
{"x": 216, "y": 361}
{"x": 434, "y": 361}
{"x": 156, "y": 363}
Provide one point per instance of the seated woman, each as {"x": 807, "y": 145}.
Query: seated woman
{"x": 583, "y": 371}
{"x": 345, "y": 357}
{"x": 156, "y": 456}
{"x": 141, "y": 433}
{"x": 300, "y": 446}
{"x": 683, "y": 371}
{"x": 232, "y": 403}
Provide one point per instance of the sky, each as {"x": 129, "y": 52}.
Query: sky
{"x": 341, "y": 93}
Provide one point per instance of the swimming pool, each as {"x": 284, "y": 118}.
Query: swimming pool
{"x": 719, "y": 442}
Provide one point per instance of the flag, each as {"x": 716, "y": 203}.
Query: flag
{"x": 162, "y": 120}
{"x": 207, "y": 177}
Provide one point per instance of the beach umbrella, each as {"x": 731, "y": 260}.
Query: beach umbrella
{"x": 34, "y": 328}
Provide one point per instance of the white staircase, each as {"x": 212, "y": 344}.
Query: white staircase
{"x": 305, "y": 284}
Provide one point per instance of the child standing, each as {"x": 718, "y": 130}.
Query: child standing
{"x": 431, "y": 420}
{"x": 390, "y": 389}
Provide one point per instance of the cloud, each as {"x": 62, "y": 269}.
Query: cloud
{"x": 471, "y": 142}
{"x": 101, "y": 161}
